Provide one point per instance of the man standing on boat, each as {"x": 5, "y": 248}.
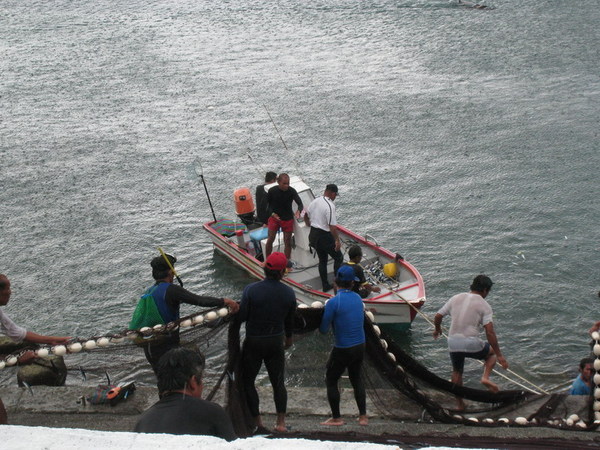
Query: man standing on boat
{"x": 262, "y": 206}
{"x": 346, "y": 313}
{"x": 324, "y": 237}
{"x": 168, "y": 298}
{"x": 268, "y": 308}
{"x": 469, "y": 313}
{"x": 280, "y": 200}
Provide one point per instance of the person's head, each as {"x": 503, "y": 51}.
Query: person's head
{"x": 4, "y": 289}
{"x": 275, "y": 266}
{"x": 586, "y": 368}
{"x": 345, "y": 277}
{"x": 331, "y": 191}
{"x": 160, "y": 268}
{"x": 355, "y": 253}
{"x": 283, "y": 180}
{"x": 270, "y": 177}
{"x": 482, "y": 284}
{"x": 180, "y": 369}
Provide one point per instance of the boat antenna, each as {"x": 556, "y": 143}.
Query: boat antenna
{"x": 200, "y": 173}
{"x": 168, "y": 261}
{"x": 280, "y": 137}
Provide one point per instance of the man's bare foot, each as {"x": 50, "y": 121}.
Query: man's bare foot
{"x": 493, "y": 387}
{"x": 333, "y": 422}
{"x": 281, "y": 428}
{"x": 363, "y": 420}
{"x": 460, "y": 405}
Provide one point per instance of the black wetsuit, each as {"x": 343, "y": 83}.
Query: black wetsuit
{"x": 174, "y": 296}
{"x": 262, "y": 205}
{"x": 177, "y": 413}
{"x": 280, "y": 202}
{"x": 268, "y": 308}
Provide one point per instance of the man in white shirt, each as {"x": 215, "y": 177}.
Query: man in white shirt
{"x": 470, "y": 312}
{"x": 324, "y": 237}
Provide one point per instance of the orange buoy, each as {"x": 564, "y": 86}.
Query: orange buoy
{"x": 243, "y": 201}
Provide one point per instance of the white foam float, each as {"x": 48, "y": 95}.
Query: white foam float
{"x": 370, "y": 316}
{"x": 597, "y": 405}
{"x": 223, "y": 312}
{"x": 102, "y": 342}
{"x": 302, "y": 306}
{"x": 488, "y": 420}
{"x": 473, "y": 419}
{"x": 384, "y": 343}
{"x": 11, "y": 361}
{"x": 2, "y": 365}
{"x": 597, "y": 392}
{"x": 521, "y": 421}
{"x": 90, "y": 345}
{"x": 581, "y": 424}
{"x": 158, "y": 327}
{"x": 597, "y": 379}
{"x": 59, "y": 350}
{"x": 211, "y": 315}
{"x": 392, "y": 356}
{"x": 597, "y": 349}
{"x": 185, "y": 323}
{"x": 42, "y": 352}
{"x": 316, "y": 304}
{"x": 377, "y": 330}
{"x": 597, "y": 364}
{"x": 75, "y": 347}
{"x": 197, "y": 320}
{"x": 145, "y": 329}
{"x": 569, "y": 422}
{"x": 503, "y": 420}
{"x": 597, "y": 415}
{"x": 596, "y": 336}
{"x": 456, "y": 416}
{"x": 573, "y": 417}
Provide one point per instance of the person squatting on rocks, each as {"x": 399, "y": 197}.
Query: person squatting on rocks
{"x": 268, "y": 308}
{"x": 20, "y": 334}
{"x": 168, "y": 298}
{"x": 323, "y": 237}
{"x": 470, "y": 312}
{"x": 280, "y": 200}
{"x": 181, "y": 409}
{"x": 345, "y": 312}
{"x": 582, "y": 385}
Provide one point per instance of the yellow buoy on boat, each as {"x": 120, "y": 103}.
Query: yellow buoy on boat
{"x": 390, "y": 270}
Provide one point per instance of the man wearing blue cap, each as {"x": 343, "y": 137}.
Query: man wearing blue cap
{"x": 345, "y": 312}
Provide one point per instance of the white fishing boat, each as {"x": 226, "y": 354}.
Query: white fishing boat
{"x": 402, "y": 288}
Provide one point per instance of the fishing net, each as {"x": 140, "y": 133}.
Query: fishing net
{"x": 399, "y": 386}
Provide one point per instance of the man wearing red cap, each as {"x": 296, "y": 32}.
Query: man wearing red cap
{"x": 268, "y": 308}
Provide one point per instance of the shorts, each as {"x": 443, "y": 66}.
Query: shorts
{"x": 287, "y": 226}
{"x": 458, "y": 358}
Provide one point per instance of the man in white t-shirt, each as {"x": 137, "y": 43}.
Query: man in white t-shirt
{"x": 470, "y": 312}
{"x": 323, "y": 237}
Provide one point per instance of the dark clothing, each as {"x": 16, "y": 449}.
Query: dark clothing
{"x": 458, "y": 358}
{"x": 268, "y": 307}
{"x": 168, "y": 298}
{"x": 358, "y": 286}
{"x": 340, "y": 359}
{"x": 262, "y": 205}
{"x": 177, "y": 413}
{"x": 270, "y": 350}
{"x": 324, "y": 244}
{"x": 280, "y": 202}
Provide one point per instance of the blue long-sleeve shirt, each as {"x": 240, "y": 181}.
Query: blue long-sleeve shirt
{"x": 346, "y": 312}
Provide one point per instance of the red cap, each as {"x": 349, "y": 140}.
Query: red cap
{"x": 276, "y": 261}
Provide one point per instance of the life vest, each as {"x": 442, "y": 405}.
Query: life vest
{"x": 152, "y": 308}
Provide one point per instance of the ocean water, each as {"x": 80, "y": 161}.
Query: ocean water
{"x": 466, "y": 140}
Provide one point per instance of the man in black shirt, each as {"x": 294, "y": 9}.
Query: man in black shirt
{"x": 280, "y": 200}
{"x": 262, "y": 206}
{"x": 168, "y": 298}
{"x": 181, "y": 409}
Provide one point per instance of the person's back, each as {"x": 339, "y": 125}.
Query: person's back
{"x": 469, "y": 313}
{"x": 177, "y": 413}
{"x": 346, "y": 311}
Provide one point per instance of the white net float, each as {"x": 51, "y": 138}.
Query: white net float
{"x": 377, "y": 330}
{"x": 197, "y": 320}
{"x": 384, "y": 343}
{"x": 488, "y": 420}
{"x": 597, "y": 349}
{"x": 597, "y": 364}
{"x": 75, "y": 347}
{"x": 158, "y": 327}
{"x": 370, "y": 316}
{"x": 223, "y": 312}
{"x": 42, "y": 352}
{"x": 211, "y": 315}
{"x": 597, "y": 379}
{"x": 186, "y": 323}
{"x": 59, "y": 350}
{"x": 473, "y": 419}
{"x": 316, "y": 304}
{"x": 11, "y": 361}
{"x": 302, "y": 306}
{"x": 392, "y": 356}
{"x": 596, "y": 336}
{"x": 503, "y": 420}
{"x": 597, "y": 405}
{"x": 573, "y": 417}
{"x": 102, "y": 342}
{"x": 90, "y": 345}
{"x": 597, "y": 393}
{"x": 581, "y": 424}
{"x": 2, "y": 365}
{"x": 521, "y": 421}
{"x": 145, "y": 329}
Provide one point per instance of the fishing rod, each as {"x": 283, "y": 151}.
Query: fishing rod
{"x": 257, "y": 166}
{"x": 280, "y": 137}
{"x": 201, "y": 175}
{"x": 168, "y": 261}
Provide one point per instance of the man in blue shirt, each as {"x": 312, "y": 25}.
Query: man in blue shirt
{"x": 345, "y": 312}
{"x": 582, "y": 385}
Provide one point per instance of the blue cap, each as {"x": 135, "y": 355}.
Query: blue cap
{"x": 346, "y": 273}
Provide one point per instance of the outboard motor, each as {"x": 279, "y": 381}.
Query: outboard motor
{"x": 244, "y": 205}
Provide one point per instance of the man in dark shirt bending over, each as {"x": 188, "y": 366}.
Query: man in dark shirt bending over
{"x": 168, "y": 298}
{"x": 268, "y": 308}
{"x": 181, "y": 409}
{"x": 280, "y": 200}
